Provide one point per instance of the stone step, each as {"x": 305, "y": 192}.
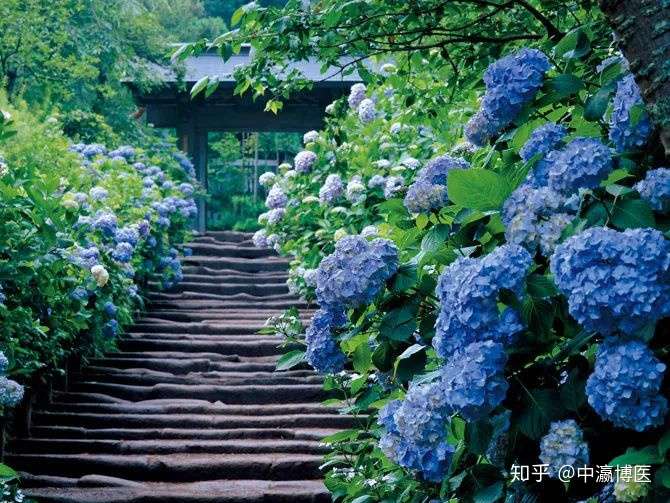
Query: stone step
{"x": 223, "y": 289}
{"x": 176, "y": 467}
{"x": 235, "y": 446}
{"x": 240, "y": 394}
{"x": 225, "y": 236}
{"x": 180, "y": 433}
{"x": 102, "y": 421}
{"x": 237, "y": 264}
{"x": 187, "y": 406}
{"x": 220, "y": 249}
{"x": 202, "y": 327}
{"x": 187, "y": 365}
{"x": 208, "y": 304}
{"x": 252, "y": 275}
{"x": 212, "y": 491}
{"x": 254, "y": 348}
{"x": 189, "y": 295}
{"x": 145, "y": 377}
{"x": 159, "y": 334}
{"x": 216, "y": 357}
{"x": 237, "y": 279}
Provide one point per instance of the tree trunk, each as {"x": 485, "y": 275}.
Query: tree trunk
{"x": 643, "y": 29}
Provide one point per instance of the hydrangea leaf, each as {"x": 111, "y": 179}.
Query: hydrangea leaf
{"x": 542, "y": 407}
{"x": 489, "y": 494}
{"x": 645, "y": 456}
{"x": 290, "y": 360}
{"x": 632, "y": 213}
{"x": 573, "y": 45}
{"x": 478, "y": 189}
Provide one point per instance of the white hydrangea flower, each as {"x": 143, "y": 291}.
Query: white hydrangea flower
{"x": 310, "y": 137}
{"x": 267, "y": 179}
{"x": 339, "y": 234}
{"x": 370, "y": 231}
{"x": 100, "y": 275}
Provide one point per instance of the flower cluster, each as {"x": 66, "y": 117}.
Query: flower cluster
{"x": 323, "y": 352}
{"x": 626, "y": 132}
{"x": 615, "y": 281}
{"x": 367, "y": 111}
{"x": 310, "y": 137}
{"x": 276, "y": 198}
{"x": 355, "y": 272}
{"x": 304, "y": 161}
{"x": 582, "y": 163}
{"x": 511, "y": 82}
{"x": 356, "y": 95}
{"x": 429, "y": 190}
{"x": 535, "y": 218}
{"x": 542, "y": 141}
{"x": 473, "y": 381}
{"x": 468, "y": 291}
{"x": 655, "y": 189}
{"x": 267, "y": 179}
{"x": 416, "y": 430}
{"x": 625, "y": 384}
{"x": 564, "y": 446}
{"x": 355, "y": 192}
{"x": 332, "y": 189}
{"x": 393, "y": 185}
{"x": 11, "y": 392}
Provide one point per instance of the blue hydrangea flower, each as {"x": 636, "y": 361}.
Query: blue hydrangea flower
{"x": 473, "y": 379}
{"x": 356, "y": 271}
{"x": 615, "y": 281}
{"x": 98, "y": 193}
{"x": 429, "y": 190}
{"x": 276, "y": 198}
{"x": 105, "y": 222}
{"x": 511, "y": 83}
{"x": 623, "y": 133}
{"x": 93, "y": 150}
{"x": 80, "y": 293}
{"x": 355, "y": 192}
{"x": 323, "y": 353}
{"x": 11, "y": 392}
{"x": 304, "y": 161}
{"x": 186, "y": 189}
{"x": 4, "y": 363}
{"x": 393, "y": 185}
{"x": 468, "y": 291}
{"x": 125, "y": 152}
{"x": 564, "y": 446}
{"x": 416, "y": 431}
{"x": 367, "y": 111}
{"x": 123, "y": 252}
{"x": 275, "y": 216}
{"x": 260, "y": 239}
{"x": 110, "y": 309}
{"x": 583, "y": 163}
{"x": 310, "y": 137}
{"x": 85, "y": 257}
{"x": 655, "y": 189}
{"x": 110, "y": 329}
{"x": 331, "y": 190}
{"x": 625, "y": 385}
{"x": 128, "y": 234}
{"x": 535, "y": 218}
{"x": 143, "y": 227}
{"x": 356, "y": 95}
{"x": 542, "y": 141}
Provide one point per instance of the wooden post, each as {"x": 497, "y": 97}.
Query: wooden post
{"x": 193, "y": 142}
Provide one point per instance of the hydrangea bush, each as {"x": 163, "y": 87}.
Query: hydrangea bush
{"x": 85, "y": 230}
{"x": 493, "y": 276}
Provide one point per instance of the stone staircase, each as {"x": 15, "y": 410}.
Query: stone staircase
{"x": 189, "y": 409}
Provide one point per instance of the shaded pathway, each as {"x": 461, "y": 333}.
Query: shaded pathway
{"x": 189, "y": 410}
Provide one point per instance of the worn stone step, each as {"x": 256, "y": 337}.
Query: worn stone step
{"x": 91, "y": 420}
{"x": 220, "y": 249}
{"x": 227, "y": 289}
{"x": 145, "y": 377}
{"x": 189, "y": 406}
{"x": 180, "y": 433}
{"x": 207, "y": 304}
{"x": 177, "y": 467}
{"x": 198, "y": 328}
{"x": 225, "y": 236}
{"x": 215, "y": 357}
{"x": 254, "y": 348}
{"x": 215, "y": 316}
{"x": 238, "y": 264}
{"x": 189, "y": 295}
{"x": 260, "y": 394}
{"x": 234, "y": 279}
{"x": 213, "y": 491}
{"x": 186, "y": 365}
{"x": 158, "y": 334}
{"x": 235, "y": 446}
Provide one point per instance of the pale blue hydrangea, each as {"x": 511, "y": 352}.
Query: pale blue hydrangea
{"x": 543, "y": 140}
{"x": 613, "y": 60}
{"x": 323, "y": 353}
{"x": 276, "y": 198}
{"x": 625, "y": 385}
{"x": 105, "y": 222}
{"x": 309, "y": 275}
{"x": 370, "y": 231}
{"x": 511, "y": 83}
{"x": 655, "y": 189}
{"x": 143, "y": 227}
{"x": 276, "y": 215}
{"x": 98, "y": 193}
{"x": 4, "y": 363}
{"x": 355, "y": 192}
{"x": 535, "y": 218}
{"x": 564, "y": 445}
{"x": 85, "y": 257}
{"x": 93, "y": 150}
{"x": 331, "y": 190}
{"x": 11, "y": 392}
{"x": 267, "y": 179}
{"x": 377, "y": 181}
{"x": 393, "y": 185}
{"x": 260, "y": 239}
{"x": 415, "y": 434}
{"x": 80, "y": 293}
{"x": 128, "y": 234}
{"x": 468, "y": 291}
{"x": 410, "y": 162}
{"x": 356, "y": 271}
{"x": 395, "y": 128}
{"x": 110, "y": 329}
{"x": 582, "y": 163}
{"x": 186, "y": 189}
{"x": 614, "y": 281}
{"x": 125, "y": 152}
{"x": 123, "y": 252}
{"x": 624, "y": 134}
{"x": 356, "y": 95}
{"x": 429, "y": 190}
{"x": 310, "y": 137}
{"x": 367, "y": 111}
{"x": 473, "y": 379}
{"x": 110, "y": 309}
{"x": 304, "y": 161}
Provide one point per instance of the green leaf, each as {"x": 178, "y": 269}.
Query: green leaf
{"x": 489, "y": 494}
{"x": 477, "y": 189}
{"x": 400, "y": 323}
{"x": 632, "y": 213}
{"x": 596, "y": 104}
{"x": 574, "y": 44}
{"x": 199, "y": 86}
{"x": 663, "y": 476}
{"x": 404, "y": 279}
{"x": 362, "y": 499}
{"x": 645, "y": 456}
{"x": 478, "y": 436}
{"x": 362, "y": 358}
{"x": 572, "y": 391}
{"x": 382, "y": 357}
{"x": 7, "y": 473}
{"x": 664, "y": 444}
{"x": 541, "y": 286}
{"x": 435, "y": 238}
{"x": 410, "y": 362}
{"x": 290, "y": 359}
{"x": 560, "y": 87}
{"x": 542, "y": 407}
